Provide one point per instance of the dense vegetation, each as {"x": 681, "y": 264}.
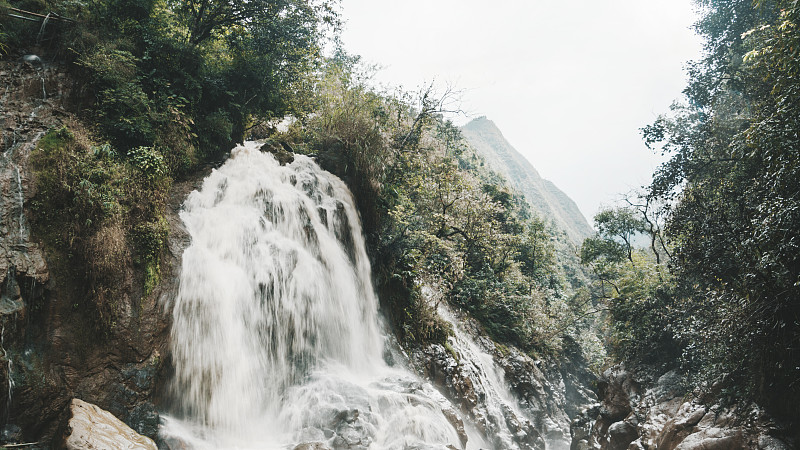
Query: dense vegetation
{"x": 719, "y": 289}
{"x": 442, "y": 229}
{"x": 161, "y": 88}
{"x": 168, "y": 86}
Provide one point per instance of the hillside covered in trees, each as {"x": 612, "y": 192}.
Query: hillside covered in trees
{"x": 544, "y": 197}
{"x": 717, "y": 293}
{"x": 160, "y": 91}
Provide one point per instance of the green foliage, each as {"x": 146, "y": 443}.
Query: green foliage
{"x": 149, "y": 162}
{"x": 151, "y": 239}
{"x": 166, "y": 85}
{"x": 441, "y": 228}
{"x": 95, "y": 211}
{"x": 85, "y": 190}
{"x": 188, "y": 78}
{"x": 731, "y": 188}
{"x": 632, "y": 285}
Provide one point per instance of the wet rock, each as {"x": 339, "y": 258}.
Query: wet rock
{"x": 581, "y": 427}
{"x": 11, "y": 434}
{"x": 312, "y": 446}
{"x": 144, "y": 419}
{"x": 280, "y": 150}
{"x": 140, "y": 376}
{"x": 480, "y": 379}
{"x": 636, "y": 445}
{"x": 93, "y": 428}
{"x": 173, "y": 443}
{"x": 352, "y": 429}
{"x": 457, "y": 423}
{"x": 766, "y": 442}
{"x": 444, "y": 370}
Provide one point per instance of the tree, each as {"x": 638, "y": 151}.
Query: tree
{"x": 205, "y": 19}
{"x": 632, "y": 285}
{"x": 618, "y": 227}
{"x": 732, "y": 191}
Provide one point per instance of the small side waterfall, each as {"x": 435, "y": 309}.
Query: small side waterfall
{"x": 9, "y": 371}
{"x": 276, "y": 338}
{"x": 500, "y": 416}
{"x": 17, "y": 198}
{"x": 21, "y": 200}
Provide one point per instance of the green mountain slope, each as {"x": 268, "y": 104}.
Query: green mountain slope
{"x": 544, "y": 197}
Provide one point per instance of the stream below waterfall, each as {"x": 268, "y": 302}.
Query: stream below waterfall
{"x": 276, "y": 337}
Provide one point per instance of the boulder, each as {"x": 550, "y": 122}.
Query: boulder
{"x": 621, "y": 434}
{"x": 714, "y": 440}
{"x": 681, "y": 425}
{"x": 312, "y": 446}
{"x": 280, "y": 150}
{"x": 766, "y": 442}
{"x": 619, "y": 390}
{"x": 93, "y": 428}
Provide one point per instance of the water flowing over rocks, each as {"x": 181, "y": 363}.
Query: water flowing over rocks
{"x": 661, "y": 414}
{"x": 293, "y": 352}
{"x": 513, "y": 400}
{"x": 276, "y": 339}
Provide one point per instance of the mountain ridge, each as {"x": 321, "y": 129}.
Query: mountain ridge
{"x": 543, "y": 195}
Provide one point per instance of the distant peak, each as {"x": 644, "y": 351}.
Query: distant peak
{"x": 481, "y": 122}
{"x": 543, "y": 196}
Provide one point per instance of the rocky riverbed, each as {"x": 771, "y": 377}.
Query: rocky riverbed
{"x": 641, "y": 411}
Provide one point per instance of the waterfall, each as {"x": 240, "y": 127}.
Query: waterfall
{"x": 500, "y": 415}
{"x": 276, "y": 339}
{"x": 18, "y": 195}
{"x": 9, "y": 371}
{"x": 21, "y": 202}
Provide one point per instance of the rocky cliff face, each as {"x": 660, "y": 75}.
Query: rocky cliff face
{"x": 639, "y": 412}
{"x": 52, "y": 351}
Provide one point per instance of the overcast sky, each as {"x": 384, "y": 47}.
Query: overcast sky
{"x": 568, "y": 83}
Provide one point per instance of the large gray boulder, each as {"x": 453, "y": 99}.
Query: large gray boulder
{"x": 93, "y": 428}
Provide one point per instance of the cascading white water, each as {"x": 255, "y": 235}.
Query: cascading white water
{"x": 10, "y": 165}
{"x": 500, "y": 414}
{"x": 9, "y": 371}
{"x": 506, "y": 423}
{"x": 276, "y": 338}
{"x": 21, "y": 200}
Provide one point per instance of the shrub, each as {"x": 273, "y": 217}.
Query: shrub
{"x": 96, "y": 211}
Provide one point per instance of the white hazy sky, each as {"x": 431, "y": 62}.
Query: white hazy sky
{"x": 568, "y": 83}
